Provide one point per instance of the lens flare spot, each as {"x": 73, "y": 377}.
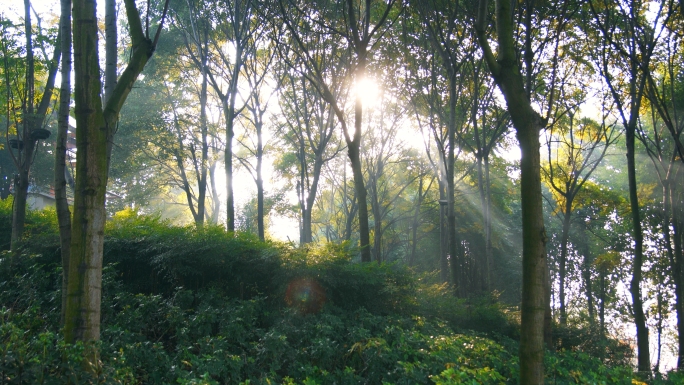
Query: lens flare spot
{"x": 306, "y": 295}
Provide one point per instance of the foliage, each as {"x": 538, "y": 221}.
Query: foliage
{"x": 214, "y": 313}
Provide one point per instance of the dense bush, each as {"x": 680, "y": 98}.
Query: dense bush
{"x": 188, "y": 306}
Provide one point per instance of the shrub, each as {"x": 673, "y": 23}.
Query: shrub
{"x": 188, "y": 306}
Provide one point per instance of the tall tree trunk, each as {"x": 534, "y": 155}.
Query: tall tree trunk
{"x": 489, "y": 250}
{"x": 260, "y": 180}
{"x": 361, "y": 199}
{"x": 305, "y": 220}
{"x": 587, "y": 261}
{"x": 483, "y": 184}
{"x": 204, "y": 150}
{"x": 230, "y": 114}
{"x": 377, "y": 219}
{"x": 483, "y": 205}
{"x": 349, "y": 211}
{"x": 644, "y": 361}
{"x": 414, "y": 223}
{"x": 354, "y": 151}
{"x": 678, "y": 265}
{"x": 443, "y": 233}
{"x": 228, "y": 157}
{"x": 95, "y": 130}
{"x": 82, "y": 319}
{"x": 534, "y": 294}
{"x": 457, "y": 264}
{"x": 216, "y": 203}
{"x": 311, "y": 198}
{"x": 562, "y": 263}
{"x": 527, "y": 123}
{"x": 61, "y": 203}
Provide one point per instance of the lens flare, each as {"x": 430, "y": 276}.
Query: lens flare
{"x": 306, "y": 295}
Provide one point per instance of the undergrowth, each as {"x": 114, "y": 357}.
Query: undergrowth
{"x": 188, "y": 306}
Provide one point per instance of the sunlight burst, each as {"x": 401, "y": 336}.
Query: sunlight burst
{"x": 368, "y": 90}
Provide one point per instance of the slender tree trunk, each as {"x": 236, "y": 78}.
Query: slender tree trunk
{"x": 483, "y": 183}
{"x": 354, "y": 149}
{"x": 414, "y": 223}
{"x": 361, "y": 200}
{"x": 349, "y": 215}
{"x": 678, "y": 268}
{"x": 659, "y": 328}
{"x": 602, "y": 299}
{"x": 229, "y": 112}
{"x": 644, "y": 361}
{"x": 260, "y": 181}
{"x": 456, "y": 263}
{"x": 61, "y": 203}
{"x": 562, "y": 263}
{"x": 305, "y": 220}
{"x": 675, "y": 263}
{"x": 230, "y": 199}
{"x": 111, "y": 51}
{"x": 377, "y": 222}
{"x": 588, "y": 283}
{"x": 443, "y": 234}
{"x": 483, "y": 205}
{"x": 311, "y": 198}
{"x": 489, "y": 250}
{"x": 216, "y": 206}
{"x": 204, "y": 156}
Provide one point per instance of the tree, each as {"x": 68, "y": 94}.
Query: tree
{"x": 237, "y": 24}
{"x": 426, "y": 95}
{"x": 627, "y": 42}
{"x": 664, "y": 92}
{"x": 527, "y": 122}
{"x": 445, "y": 34}
{"x": 309, "y": 124}
{"x": 488, "y": 123}
{"x": 663, "y": 152}
{"x": 575, "y": 147}
{"x": 28, "y": 124}
{"x": 360, "y": 33}
{"x": 386, "y": 163}
{"x": 95, "y": 128}
{"x": 257, "y": 72}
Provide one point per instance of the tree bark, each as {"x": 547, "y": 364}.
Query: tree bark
{"x": 82, "y": 318}
{"x": 61, "y": 203}
{"x": 94, "y": 134}
{"x": 527, "y": 123}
